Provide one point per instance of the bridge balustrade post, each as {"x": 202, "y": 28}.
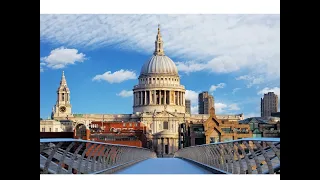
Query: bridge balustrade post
{"x": 228, "y": 157}
{"x": 274, "y": 149}
{"x": 256, "y": 160}
{"x": 101, "y": 158}
{"x": 86, "y": 167}
{"x": 266, "y": 157}
{"x": 105, "y": 158}
{"x": 75, "y": 154}
{"x": 49, "y": 159}
{"x": 88, "y": 145}
{"x": 221, "y": 157}
{"x": 239, "y": 158}
{"x": 249, "y": 167}
{"x": 219, "y": 161}
{"x": 213, "y": 155}
{"x": 61, "y": 160}
{"x": 94, "y": 161}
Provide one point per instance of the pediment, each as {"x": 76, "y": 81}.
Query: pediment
{"x": 165, "y": 114}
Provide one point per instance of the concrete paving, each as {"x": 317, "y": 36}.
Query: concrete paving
{"x": 164, "y": 166}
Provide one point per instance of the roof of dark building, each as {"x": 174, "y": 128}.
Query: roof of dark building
{"x": 259, "y": 120}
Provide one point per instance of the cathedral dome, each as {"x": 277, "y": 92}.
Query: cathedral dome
{"x": 159, "y": 65}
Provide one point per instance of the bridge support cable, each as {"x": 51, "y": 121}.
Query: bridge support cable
{"x": 76, "y": 156}
{"x": 243, "y": 156}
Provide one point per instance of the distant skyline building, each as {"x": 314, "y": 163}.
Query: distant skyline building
{"x": 269, "y": 104}
{"x": 188, "y": 106}
{"x": 205, "y": 102}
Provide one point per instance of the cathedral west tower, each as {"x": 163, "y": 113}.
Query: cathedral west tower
{"x": 62, "y": 108}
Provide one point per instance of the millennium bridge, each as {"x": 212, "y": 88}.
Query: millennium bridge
{"x": 243, "y": 156}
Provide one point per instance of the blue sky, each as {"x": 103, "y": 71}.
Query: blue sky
{"x": 234, "y": 57}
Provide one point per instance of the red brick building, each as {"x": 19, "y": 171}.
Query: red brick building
{"x": 125, "y": 133}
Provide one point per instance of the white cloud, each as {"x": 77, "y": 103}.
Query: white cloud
{"x": 226, "y": 108}
{"x": 125, "y": 93}
{"x": 116, "y": 77}
{"x": 276, "y": 90}
{"x": 192, "y": 96}
{"x": 234, "y": 107}
{"x": 252, "y": 80}
{"x": 220, "y": 107}
{"x": 215, "y": 87}
{"x": 214, "y": 43}
{"x": 235, "y": 90}
{"x": 194, "y": 109}
{"x": 41, "y": 67}
{"x": 61, "y": 57}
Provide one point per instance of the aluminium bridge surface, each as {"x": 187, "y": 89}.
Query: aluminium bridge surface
{"x": 164, "y": 166}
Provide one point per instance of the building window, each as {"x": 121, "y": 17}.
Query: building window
{"x": 124, "y": 125}
{"x": 161, "y": 78}
{"x": 154, "y": 78}
{"x": 158, "y": 79}
{"x": 130, "y": 124}
{"x": 56, "y": 129}
{"x": 136, "y": 124}
{"x": 62, "y": 96}
{"x": 165, "y": 125}
{"x": 43, "y": 129}
{"x": 49, "y": 129}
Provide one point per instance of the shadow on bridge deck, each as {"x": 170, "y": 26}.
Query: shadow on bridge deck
{"x": 164, "y": 166}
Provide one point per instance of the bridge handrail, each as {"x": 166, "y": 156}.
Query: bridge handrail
{"x": 242, "y": 156}
{"x": 51, "y": 140}
{"x": 74, "y": 156}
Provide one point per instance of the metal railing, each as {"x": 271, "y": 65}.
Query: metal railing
{"x": 243, "y": 156}
{"x": 76, "y": 156}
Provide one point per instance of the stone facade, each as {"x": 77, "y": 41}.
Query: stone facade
{"x": 159, "y": 103}
{"x": 55, "y": 126}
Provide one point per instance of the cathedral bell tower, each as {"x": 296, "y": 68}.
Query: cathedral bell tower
{"x": 62, "y": 108}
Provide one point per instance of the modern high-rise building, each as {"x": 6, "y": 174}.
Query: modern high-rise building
{"x": 205, "y": 102}
{"x": 269, "y": 104}
{"x": 188, "y": 106}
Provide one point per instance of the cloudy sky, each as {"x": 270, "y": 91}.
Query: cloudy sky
{"x": 234, "y": 57}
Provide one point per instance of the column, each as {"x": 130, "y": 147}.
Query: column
{"x": 178, "y": 98}
{"x": 169, "y": 148}
{"x": 159, "y": 146}
{"x": 152, "y": 127}
{"x": 150, "y": 97}
{"x": 184, "y": 99}
{"x": 162, "y": 146}
{"x": 172, "y": 145}
{"x": 140, "y": 92}
{"x": 137, "y": 98}
{"x": 174, "y": 97}
{"x": 155, "y": 126}
{"x": 169, "y": 97}
{"x": 145, "y": 97}
{"x": 160, "y": 97}
{"x": 165, "y": 97}
{"x": 154, "y": 97}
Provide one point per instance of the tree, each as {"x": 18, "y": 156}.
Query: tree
{"x": 40, "y": 119}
